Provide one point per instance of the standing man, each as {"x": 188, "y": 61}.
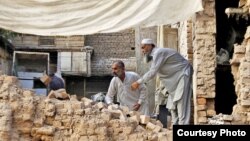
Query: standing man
{"x": 120, "y": 85}
{"x": 175, "y": 73}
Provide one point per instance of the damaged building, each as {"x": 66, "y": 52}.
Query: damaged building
{"x": 214, "y": 40}
{"x": 84, "y": 61}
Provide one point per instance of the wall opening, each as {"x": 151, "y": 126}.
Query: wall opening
{"x": 228, "y": 32}
{"x": 87, "y": 86}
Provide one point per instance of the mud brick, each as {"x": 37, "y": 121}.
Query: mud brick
{"x": 57, "y": 123}
{"x": 201, "y": 101}
{"x": 79, "y": 111}
{"x": 27, "y": 93}
{"x": 59, "y": 106}
{"x": 150, "y": 126}
{"x": 100, "y": 105}
{"x": 135, "y": 118}
{"x": 144, "y": 119}
{"x": 77, "y": 105}
{"x": 84, "y": 138}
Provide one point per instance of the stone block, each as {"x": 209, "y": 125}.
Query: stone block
{"x": 73, "y": 98}
{"x": 28, "y": 93}
{"x": 84, "y": 138}
{"x": 201, "y": 113}
{"x": 106, "y": 116}
{"x": 93, "y": 138}
{"x": 38, "y": 122}
{"x": 144, "y": 119}
{"x": 79, "y": 112}
{"x": 239, "y": 49}
{"x": 150, "y": 126}
{"x": 201, "y": 107}
{"x": 88, "y": 111}
{"x": 113, "y": 107}
{"x": 242, "y": 3}
{"x": 133, "y": 113}
{"x": 47, "y": 130}
{"x": 227, "y": 117}
{"x": 202, "y": 119}
{"x": 135, "y": 118}
{"x": 59, "y": 105}
{"x": 77, "y": 105}
{"x": 201, "y": 101}
{"x": 139, "y": 128}
{"x": 162, "y": 136}
{"x": 87, "y": 102}
{"x": 57, "y": 124}
{"x": 157, "y": 129}
{"x": 248, "y": 117}
{"x": 245, "y": 102}
{"x": 211, "y": 113}
{"x": 27, "y": 117}
{"x": 128, "y": 130}
{"x": 10, "y": 80}
{"x": 100, "y": 105}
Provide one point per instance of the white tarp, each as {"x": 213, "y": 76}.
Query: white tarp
{"x": 81, "y": 17}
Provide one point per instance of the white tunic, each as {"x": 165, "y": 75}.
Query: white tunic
{"x": 125, "y": 95}
{"x": 170, "y": 66}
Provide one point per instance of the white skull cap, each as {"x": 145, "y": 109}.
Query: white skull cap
{"x": 147, "y": 41}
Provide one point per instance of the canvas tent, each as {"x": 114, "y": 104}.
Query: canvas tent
{"x": 81, "y": 17}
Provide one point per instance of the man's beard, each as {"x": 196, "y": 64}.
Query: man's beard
{"x": 147, "y": 58}
{"x": 119, "y": 74}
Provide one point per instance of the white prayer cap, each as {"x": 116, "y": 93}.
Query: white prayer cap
{"x": 147, "y": 41}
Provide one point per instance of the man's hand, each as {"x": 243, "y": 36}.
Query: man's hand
{"x": 136, "y": 107}
{"x": 135, "y": 86}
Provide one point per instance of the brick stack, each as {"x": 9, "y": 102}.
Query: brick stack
{"x": 26, "y": 116}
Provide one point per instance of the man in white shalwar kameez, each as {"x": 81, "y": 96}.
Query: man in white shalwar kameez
{"x": 175, "y": 73}
{"x": 120, "y": 85}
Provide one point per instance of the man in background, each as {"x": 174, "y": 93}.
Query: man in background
{"x": 56, "y": 85}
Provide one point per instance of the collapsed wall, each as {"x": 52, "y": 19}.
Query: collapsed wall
{"x": 25, "y": 116}
{"x": 240, "y": 64}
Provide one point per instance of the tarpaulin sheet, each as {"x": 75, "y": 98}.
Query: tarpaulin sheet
{"x": 82, "y": 17}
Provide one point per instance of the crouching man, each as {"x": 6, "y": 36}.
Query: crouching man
{"x": 120, "y": 86}
{"x": 56, "y": 85}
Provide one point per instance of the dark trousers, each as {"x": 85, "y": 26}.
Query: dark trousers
{"x": 163, "y": 115}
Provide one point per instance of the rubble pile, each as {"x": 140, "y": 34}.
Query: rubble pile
{"x": 25, "y": 117}
{"x": 220, "y": 119}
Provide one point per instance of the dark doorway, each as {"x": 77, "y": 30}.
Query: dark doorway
{"x": 230, "y": 29}
{"x": 225, "y": 97}
{"x": 228, "y": 33}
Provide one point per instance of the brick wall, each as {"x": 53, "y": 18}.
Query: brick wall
{"x": 204, "y": 62}
{"x": 109, "y": 47}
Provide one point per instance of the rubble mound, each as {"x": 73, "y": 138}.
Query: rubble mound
{"x": 25, "y": 116}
